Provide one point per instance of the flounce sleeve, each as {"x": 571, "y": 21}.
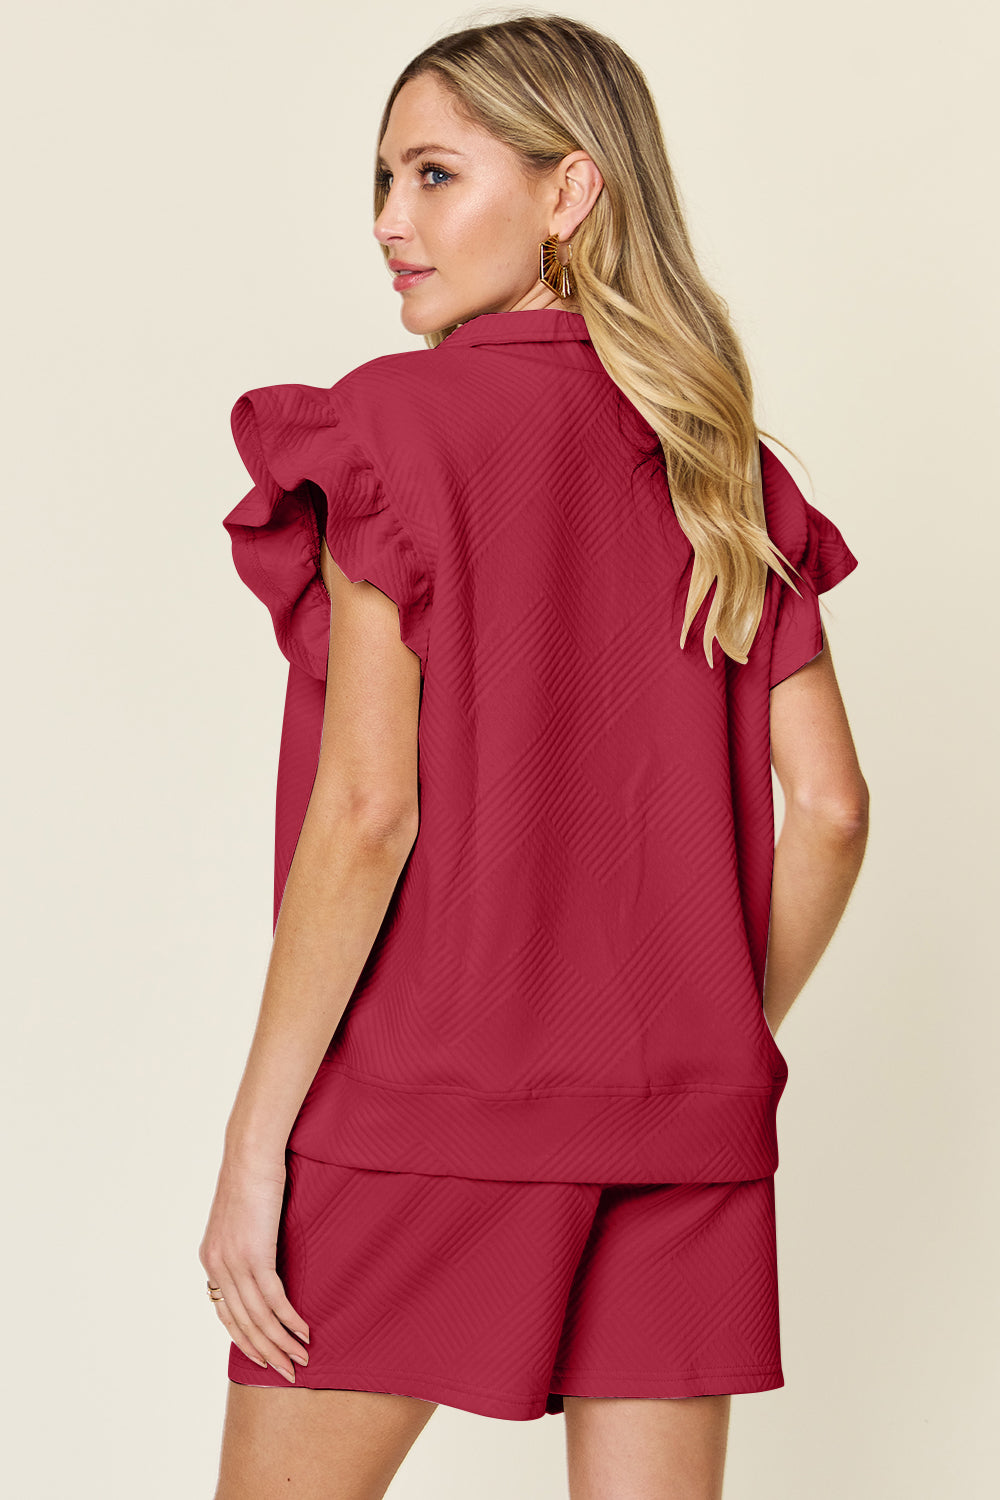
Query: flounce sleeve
{"x": 815, "y": 546}
{"x": 312, "y": 477}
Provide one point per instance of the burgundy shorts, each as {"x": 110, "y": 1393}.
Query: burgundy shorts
{"x": 502, "y": 1297}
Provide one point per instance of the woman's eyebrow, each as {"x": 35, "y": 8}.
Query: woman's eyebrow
{"x": 413, "y": 151}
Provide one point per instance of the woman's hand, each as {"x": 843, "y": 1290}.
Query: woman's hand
{"x": 238, "y": 1252}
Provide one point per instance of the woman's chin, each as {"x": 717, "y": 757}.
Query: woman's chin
{"x": 429, "y": 319}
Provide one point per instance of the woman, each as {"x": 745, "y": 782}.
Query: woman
{"x": 506, "y": 1134}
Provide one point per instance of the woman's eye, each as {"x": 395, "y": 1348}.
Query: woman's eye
{"x": 429, "y": 166}
{"x": 385, "y": 178}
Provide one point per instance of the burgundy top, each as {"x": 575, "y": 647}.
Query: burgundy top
{"x": 567, "y": 983}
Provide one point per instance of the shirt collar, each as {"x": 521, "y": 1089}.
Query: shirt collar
{"x": 532, "y": 325}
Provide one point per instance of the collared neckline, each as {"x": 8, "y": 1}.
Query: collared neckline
{"x": 530, "y": 325}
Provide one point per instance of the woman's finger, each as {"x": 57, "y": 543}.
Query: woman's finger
{"x": 266, "y": 1324}
{"x": 236, "y": 1333}
{"x": 241, "y": 1285}
{"x": 273, "y": 1290}
{"x": 234, "y": 1284}
{"x": 234, "y": 1316}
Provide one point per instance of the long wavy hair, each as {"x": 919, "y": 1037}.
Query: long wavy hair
{"x": 547, "y": 85}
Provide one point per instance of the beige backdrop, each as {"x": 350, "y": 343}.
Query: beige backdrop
{"x": 190, "y": 217}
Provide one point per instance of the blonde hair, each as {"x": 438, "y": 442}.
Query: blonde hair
{"x": 547, "y": 85}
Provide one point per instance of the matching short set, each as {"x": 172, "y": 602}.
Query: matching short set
{"x": 537, "y": 1158}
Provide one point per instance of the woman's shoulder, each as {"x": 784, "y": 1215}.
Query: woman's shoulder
{"x": 361, "y": 408}
{"x": 384, "y": 372}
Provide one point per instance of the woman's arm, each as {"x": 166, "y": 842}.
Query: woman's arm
{"x": 357, "y": 834}
{"x": 822, "y": 842}
{"x": 356, "y": 837}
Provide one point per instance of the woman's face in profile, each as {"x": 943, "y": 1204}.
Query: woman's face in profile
{"x": 459, "y": 205}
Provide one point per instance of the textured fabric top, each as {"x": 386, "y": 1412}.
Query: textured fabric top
{"x": 567, "y": 985}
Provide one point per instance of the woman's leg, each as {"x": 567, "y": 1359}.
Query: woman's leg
{"x": 623, "y": 1449}
{"x": 315, "y": 1444}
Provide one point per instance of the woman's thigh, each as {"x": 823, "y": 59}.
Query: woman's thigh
{"x": 315, "y": 1444}
{"x": 619, "y": 1448}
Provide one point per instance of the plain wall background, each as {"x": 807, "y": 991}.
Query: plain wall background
{"x": 189, "y": 201}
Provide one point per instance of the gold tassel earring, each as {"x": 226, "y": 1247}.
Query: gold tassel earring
{"x": 551, "y": 269}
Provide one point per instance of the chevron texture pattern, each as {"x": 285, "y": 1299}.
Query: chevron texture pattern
{"x": 567, "y": 985}
{"x": 502, "y": 1297}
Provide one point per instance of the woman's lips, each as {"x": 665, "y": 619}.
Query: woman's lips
{"x": 403, "y": 279}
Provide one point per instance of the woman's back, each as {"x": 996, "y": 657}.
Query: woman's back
{"x": 567, "y": 985}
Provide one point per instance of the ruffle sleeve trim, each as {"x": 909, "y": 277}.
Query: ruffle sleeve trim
{"x": 817, "y": 549}
{"x": 312, "y": 478}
